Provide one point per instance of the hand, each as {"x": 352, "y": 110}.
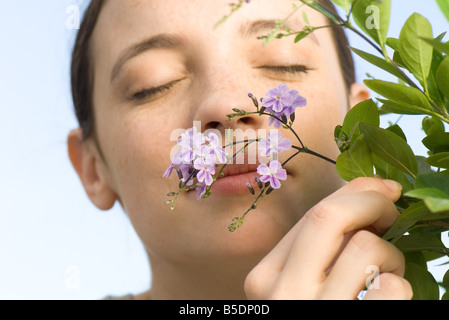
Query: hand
{"x": 329, "y": 252}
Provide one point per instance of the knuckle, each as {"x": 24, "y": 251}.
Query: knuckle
{"x": 326, "y": 212}
{"x": 395, "y": 287}
{"x": 364, "y": 241}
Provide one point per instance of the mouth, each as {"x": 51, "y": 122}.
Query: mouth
{"x": 238, "y": 169}
{"x": 234, "y": 179}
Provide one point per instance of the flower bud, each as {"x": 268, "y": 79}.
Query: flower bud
{"x": 250, "y": 188}
{"x": 259, "y": 183}
{"x": 284, "y": 118}
{"x": 292, "y": 117}
{"x": 254, "y": 99}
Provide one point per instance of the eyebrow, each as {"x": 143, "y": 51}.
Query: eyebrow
{"x": 160, "y": 41}
{"x": 172, "y": 41}
{"x": 255, "y": 28}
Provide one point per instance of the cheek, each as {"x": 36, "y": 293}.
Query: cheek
{"x": 139, "y": 150}
{"x": 326, "y": 108}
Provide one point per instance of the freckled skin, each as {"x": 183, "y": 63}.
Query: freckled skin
{"x": 217, "y": 68}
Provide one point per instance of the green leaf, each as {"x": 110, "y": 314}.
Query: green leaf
{"x": 402, "y": 108}
{"x": 434, "y": 92}
{"x": 387, "y": 171}
{"x": 438, "y": 45}
{"x": 439, "y": 160}
{"x": 437, "y": 205}
{"x": 446, "y": 280}
{"x": 341, "y": 139}
{"x": 415, "y": 52}
{"x": 391, "y": 148}
{"x": 408, "y": 218}
{"x": 317, "y": 6}
{"x": 437, "y": 142}
{"x": 419, "y": 242}
{"x": 444, "y": 6}
{"x": 432, "y": 125}
{"x": 373, "y": 17}
{"x": 423, "y": 166}
{"x": 366, "y": 111}
{"x": 433, "y": 180}
{"x": 396, "y": 129}
{"x": 393, "y": 43}
{"x": 435, "y": 199}
{"x": 400, "y": 94}
{"x": 301, "y": 35}
{"x": 305, "y": 17}
{"x": 425, "y": 193}
{"x": 345, "y": 4}
{"x": 355, "y": 162}
{"x": 423, "y": 283}
{"x": 379, "y": 62}
{"x": 442, "y": 77}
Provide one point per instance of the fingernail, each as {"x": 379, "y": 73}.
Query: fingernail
{"x": 393, "y": 185}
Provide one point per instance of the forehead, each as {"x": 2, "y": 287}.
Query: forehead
{"x": 122, "y": 23}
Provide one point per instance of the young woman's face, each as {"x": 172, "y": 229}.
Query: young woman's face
{"x": 204, "y": 74}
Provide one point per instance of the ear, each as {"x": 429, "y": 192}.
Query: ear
{"x": 91, "y": 170}
{"x": 358, "y": 94}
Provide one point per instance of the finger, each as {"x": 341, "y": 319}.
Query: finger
{"x": 389, "y": 188}
{"x": 364, "y": 254}
{"x": 323, "y": 230}
{"x": 270, "y": 267}
{"x": 389, "y": 287}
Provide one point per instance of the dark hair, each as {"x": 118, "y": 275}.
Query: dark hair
{"x": 82, "y": 75}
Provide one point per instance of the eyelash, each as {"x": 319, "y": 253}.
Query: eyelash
{"x": 153, "y": 91}
{"x": 288, "y": 69}
{"x": 145, "y": 93}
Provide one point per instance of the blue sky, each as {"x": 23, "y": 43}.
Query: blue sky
{"x": 54, "y": 244}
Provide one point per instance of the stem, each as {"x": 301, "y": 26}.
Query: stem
{"x": 247, "y": 143}
{"x": 286, "y": 161}
{"x": 308, "y": 151}
{"x": 289, "y": 127}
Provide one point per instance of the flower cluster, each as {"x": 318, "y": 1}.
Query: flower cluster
{"x": 197, "y": 159}
{"x": 281, "y": 103}
{"x": 274, "y": 144}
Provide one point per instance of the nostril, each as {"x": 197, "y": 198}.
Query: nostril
{"x": 212, "y": 125}
{"x": 245, "y": 120}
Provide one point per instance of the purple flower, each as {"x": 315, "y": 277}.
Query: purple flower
{"x": 182, "y": 169}
{"x": 282, "y": 101}
{"x": 205, "y": 170}
{"x": 190, "y": 143}
{"x": 278, "y": 98}
{"x": 215, "y": 149}
{"x": 169, "y": 171}
{"x": 274, "y": 143}
{"x": 201, "y": 188}
{"x": 272, "y": 174}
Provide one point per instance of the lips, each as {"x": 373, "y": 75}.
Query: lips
{"x": 237, "y": 169}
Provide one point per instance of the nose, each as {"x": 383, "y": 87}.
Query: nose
{"x": 220, "y": 100}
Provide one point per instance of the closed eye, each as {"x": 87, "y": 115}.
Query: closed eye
{"x": 287, "y": 69}
{"x": 152, "y": 92}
